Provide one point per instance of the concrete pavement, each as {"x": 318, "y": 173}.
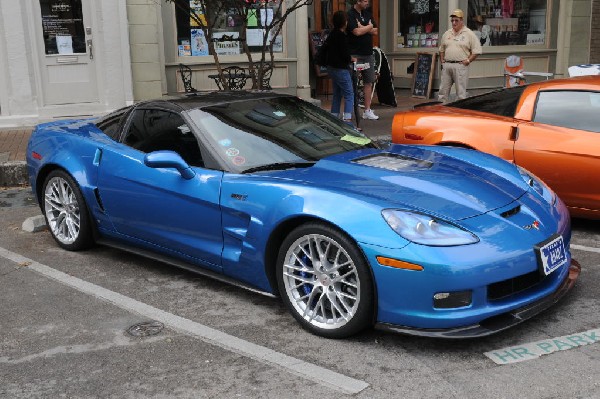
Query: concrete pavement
{"x": 13, "y": 142}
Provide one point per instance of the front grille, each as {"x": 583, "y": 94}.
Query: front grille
{"x": 505, "y": 288}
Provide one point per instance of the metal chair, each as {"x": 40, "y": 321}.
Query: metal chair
{"x": 186, "y": 77}
{"x": 266, "y": 78}
{"x": 236, "y": 77}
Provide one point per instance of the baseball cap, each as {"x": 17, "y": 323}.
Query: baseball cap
{"x": 457, "y": 13}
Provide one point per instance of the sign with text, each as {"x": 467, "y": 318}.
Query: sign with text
{"x": 423, "y": 75}
{"x": 533, "y": 350}
{"x": 62, "y": 26}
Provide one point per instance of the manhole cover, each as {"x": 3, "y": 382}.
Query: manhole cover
{"x": 146, "y": 329}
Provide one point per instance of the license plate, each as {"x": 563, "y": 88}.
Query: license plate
{"x": 551, "y": 254}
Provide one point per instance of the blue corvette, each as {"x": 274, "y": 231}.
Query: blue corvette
{"x": 276, "y": 195}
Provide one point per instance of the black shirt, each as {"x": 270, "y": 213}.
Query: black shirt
{"x": 360, "y": 45}
{"x": 338, "y": 53}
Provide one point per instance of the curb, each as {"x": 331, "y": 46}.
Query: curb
{"x": 13, "y": 174}
{"x": 34, "y": 224}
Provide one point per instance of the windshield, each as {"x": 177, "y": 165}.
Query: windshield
{"x": 274, "y": 131}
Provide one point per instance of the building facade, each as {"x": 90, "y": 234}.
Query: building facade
{"x": 549, "y": 35}
{"x": 184, "y": 43}
{"x": 62, "y": 58}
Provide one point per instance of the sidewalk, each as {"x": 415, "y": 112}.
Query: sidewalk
{"x": 13, "y": 142}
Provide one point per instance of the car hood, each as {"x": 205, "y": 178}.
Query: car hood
{"x": 438, "y": 182}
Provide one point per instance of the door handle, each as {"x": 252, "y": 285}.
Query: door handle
{"x": 90, "y": 46}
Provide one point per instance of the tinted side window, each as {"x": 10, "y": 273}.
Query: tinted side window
{"x": 499, "y": 102}
{"x": 111, "y": 123}
{"x": 571, "y": 109}
{"x": 153, "y": 130}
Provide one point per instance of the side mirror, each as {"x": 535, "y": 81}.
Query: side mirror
{"x": 169, "y": 159}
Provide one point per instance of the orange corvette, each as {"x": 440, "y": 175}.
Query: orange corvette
{"x": 551, "y": 128}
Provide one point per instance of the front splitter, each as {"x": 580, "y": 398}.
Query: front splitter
{"x": 496, "y": 323}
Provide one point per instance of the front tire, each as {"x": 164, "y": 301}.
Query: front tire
{"x": 325, "y": 281}
{"x": 66, "y": 212}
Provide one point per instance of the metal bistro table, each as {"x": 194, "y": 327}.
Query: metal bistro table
{"x": 236, "y": 78}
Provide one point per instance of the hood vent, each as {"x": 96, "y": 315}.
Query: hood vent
{"x": 511, "y": 212}
{"x": 393, "y": 162}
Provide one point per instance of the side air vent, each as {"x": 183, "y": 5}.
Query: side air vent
{"x": 98, "y": 199}
{"x": 511, "y": 212}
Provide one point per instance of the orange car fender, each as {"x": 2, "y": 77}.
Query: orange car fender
{"x": 406, "y": 129}
{"x": 397, "y": 123}
{"x": 464, "y": 138}
{"x": 446, "y": 135}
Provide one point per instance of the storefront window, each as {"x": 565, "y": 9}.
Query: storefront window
{"x": 228, "y": 28}
{"x": 508, "y": 22}
{"x": 419, "y": 23}
{"x": 62, "y": 26}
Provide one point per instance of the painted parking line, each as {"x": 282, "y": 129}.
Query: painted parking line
{"x": 533, "y": 350}
{"x": 290, "y": 364}
{"x": 584, "y": 248}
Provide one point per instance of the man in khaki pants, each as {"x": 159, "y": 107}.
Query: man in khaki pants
{"x": 459, "y": 47}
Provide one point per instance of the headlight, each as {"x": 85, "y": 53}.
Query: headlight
{"x": 427, "y": 230}
{"x": 537, "y": 185}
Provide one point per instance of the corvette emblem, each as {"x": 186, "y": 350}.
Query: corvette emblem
{"x": 534, "y": 225}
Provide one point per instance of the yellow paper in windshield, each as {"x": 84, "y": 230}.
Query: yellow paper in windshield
{"x": 356, "y": 139}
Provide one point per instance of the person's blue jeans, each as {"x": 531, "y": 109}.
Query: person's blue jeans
{"x": 342, "y": 87}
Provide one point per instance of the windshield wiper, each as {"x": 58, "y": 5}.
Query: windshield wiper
{"x": 279, "y": 166}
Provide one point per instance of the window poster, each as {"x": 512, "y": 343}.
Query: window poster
{"x": 64, "y": 44}
{"x": 223, "y": 46}
{"x": 254, "y": 37}
{"x": 266, "y": 16}
{"x": 185, "y": 49}
{"x": 199, "y": 44}
{"x": 234, "y": 19}
{"x": 277, "y": 43}
{"x": 227, "y": 28}
{"x": 196, "y": 9}
{"x": 252, "y": 19}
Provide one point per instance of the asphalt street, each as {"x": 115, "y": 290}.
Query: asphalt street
{"x": 70, "y": 327}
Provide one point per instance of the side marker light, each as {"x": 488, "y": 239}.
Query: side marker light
{"x": 398, "y": 264}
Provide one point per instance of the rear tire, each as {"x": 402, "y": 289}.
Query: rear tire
{"x": 66, "y": 212}
{"x": 325, "y": 281}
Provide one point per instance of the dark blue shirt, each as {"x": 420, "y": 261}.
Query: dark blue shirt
{"x": 360, "y": 45}
{"x": 338, "y": 55}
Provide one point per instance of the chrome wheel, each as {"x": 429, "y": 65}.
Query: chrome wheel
{"x": 321, "y": 281}
{"x": 62, "y": 210}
